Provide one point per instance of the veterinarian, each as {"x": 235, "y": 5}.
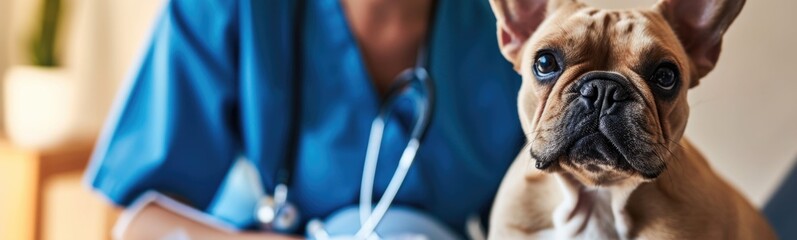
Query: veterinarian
{"x": 298, "y": 83}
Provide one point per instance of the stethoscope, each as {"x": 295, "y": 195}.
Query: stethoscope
{"x": 414, "y": 79}
{"x": 277, "y": 214}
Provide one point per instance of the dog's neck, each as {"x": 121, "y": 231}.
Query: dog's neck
{"x": 588, "y": 212}
{"x": 592, "y": 212}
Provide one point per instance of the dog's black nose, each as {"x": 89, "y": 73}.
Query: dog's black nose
{"x": 603, "y": 95}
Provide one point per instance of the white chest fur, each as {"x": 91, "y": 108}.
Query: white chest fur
{"x": 590, "y": 213}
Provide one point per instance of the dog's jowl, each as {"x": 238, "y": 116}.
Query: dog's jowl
{"x": 604, "y": 106}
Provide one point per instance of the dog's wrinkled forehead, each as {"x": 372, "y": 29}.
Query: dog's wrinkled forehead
{"x": 612, "y": 40}
{"x": 601, "y": 29}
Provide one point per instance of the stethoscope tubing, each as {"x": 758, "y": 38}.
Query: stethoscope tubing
{"x": 424, "y": 103}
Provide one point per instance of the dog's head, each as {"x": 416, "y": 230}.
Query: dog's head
{"x": 604, "y": 91}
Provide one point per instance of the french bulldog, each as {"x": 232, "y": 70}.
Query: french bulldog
{"x": 603, "y": 104}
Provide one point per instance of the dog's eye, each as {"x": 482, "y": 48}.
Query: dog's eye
{"x": 665, "y": 78}
{"x": 546, "y": 64}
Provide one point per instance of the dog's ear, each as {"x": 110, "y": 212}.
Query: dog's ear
{"x": 518, "y": 19}
{"x": 700, "y": 25}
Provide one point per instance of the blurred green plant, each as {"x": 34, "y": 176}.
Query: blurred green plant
{"x": 43, "y": 42}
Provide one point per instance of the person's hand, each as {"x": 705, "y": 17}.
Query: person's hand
{"x": 154, "y": 221}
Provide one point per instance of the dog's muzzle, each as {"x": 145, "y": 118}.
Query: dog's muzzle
{"x": 599, "y": 120}
{"x": 603, "y": 124}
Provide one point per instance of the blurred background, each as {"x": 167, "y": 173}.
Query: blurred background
{"x": 743, "y": 114}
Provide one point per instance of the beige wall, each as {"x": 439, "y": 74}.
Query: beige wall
{"x": 744, "y": 115}
{"x": 138, "y": 17}
{"x": 21, "y": 16}
{"x": 118, "y": 30}
{"x": 5, "y": 20}
{"x": 121, "y": 30}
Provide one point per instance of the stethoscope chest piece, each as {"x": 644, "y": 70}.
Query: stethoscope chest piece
{"x": 276, "y": 213}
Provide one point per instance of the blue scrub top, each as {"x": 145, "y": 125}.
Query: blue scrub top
{"x": 216, "y": 83}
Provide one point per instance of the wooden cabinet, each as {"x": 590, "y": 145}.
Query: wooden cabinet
{"x": 42, "y": 196}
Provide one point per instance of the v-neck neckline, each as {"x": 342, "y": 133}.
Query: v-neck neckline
{"x": 373, "y": 92}
{"x": 340, "y": 16}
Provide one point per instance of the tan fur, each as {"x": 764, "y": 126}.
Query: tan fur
{"x": 687, "y": 201}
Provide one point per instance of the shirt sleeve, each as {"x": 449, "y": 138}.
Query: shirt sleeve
{"x": 174, "y": 127}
